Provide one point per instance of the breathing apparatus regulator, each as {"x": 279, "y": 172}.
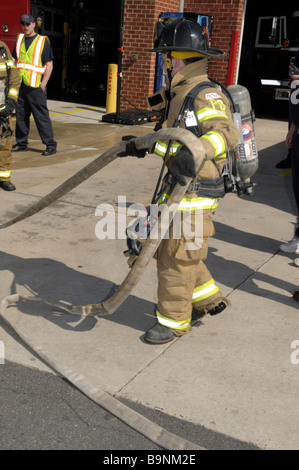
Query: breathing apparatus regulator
{"x": 137, "y": 234}
{"x": 188, "y": 40}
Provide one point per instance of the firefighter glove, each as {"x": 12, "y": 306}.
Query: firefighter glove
{"x": 183, "y": 165}
{"x": 7, "y": 108}
{"x": 131, "y": 149}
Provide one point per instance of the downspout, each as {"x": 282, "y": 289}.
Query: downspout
{"x": 181, "y": 7}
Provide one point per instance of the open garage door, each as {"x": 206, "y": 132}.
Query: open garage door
{"x": 84, "y": 38}
{"x": 266, "y": 52}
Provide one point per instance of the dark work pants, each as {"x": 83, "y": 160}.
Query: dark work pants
{"x": 33, "y": 100}
{"x": 295, "y": 172}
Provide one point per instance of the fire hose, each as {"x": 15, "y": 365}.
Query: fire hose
{"x": 109, "y": 306}
{"x": 154, "y": 432}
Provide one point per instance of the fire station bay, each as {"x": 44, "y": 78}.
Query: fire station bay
{"x": 259, "y": 39}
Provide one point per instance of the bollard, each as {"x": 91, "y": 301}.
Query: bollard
{"x": 111, "y": 96}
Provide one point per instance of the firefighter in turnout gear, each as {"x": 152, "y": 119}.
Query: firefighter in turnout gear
{"x": 9, "y": 90}
{"x": 186, "y": 289}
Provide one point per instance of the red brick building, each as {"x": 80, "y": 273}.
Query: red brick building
{"x": 138, "y": 64}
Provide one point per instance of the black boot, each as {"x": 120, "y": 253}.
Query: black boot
{"x": 296, "y": 295}
{"x": 159, "y": 334}
{"x": 7, "y": 186}
{"x": 19, "y": 148}
{"x": 198, "y": 314}
{"x": 286, "y": 163}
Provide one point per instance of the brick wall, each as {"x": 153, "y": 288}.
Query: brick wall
{"x": 138, "y": 75}
{"x": 227, "y": 16}
{"x": 138, "y": 64}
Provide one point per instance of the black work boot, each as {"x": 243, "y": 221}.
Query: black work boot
{"x": 218, "y": 309}
{"x": 159, "y": 334}
{"x": 198, "y": 314}
{"x": 296, "y": 295}
{"x": 7, "y": 186}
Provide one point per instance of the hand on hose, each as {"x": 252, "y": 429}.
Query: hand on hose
{"x": 183, "y": 165}
{"x": 7, "y": 108}
{"x": 131, "y": 149}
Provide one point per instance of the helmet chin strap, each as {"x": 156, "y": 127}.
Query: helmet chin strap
{"x": 169, "y": 66}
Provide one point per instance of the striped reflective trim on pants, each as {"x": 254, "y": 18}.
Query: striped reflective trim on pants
{"x": 5, "y": 174}
{"x": 204, "y": 291}
{"x": 174, "y": 324}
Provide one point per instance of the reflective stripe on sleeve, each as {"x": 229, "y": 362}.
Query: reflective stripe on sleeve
{"x": 161, "y": 148}
{"x": 216, "y": 141}
{"x": 210, "y": 113}
{"x": 13, "y": 93}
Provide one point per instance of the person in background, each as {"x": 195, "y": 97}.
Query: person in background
{"x": 34, "y": 57}
{"x": 286, "y": 163}
{"x": 9, "y": 90}
{"x": 292, "y": 141}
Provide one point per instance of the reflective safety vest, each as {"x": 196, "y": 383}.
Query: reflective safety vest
{"x": 29, "y": 63}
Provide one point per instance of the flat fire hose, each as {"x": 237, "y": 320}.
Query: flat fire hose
{"x": 109, "y": 306}
{"x": 154, "y": 432}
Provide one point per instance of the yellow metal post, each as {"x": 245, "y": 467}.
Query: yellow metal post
{"x": 111, "y": 96}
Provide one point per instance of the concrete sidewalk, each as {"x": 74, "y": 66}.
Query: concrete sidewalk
{"x": 232, "y": 373}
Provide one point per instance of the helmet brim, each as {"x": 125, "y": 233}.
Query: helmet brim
{"x": 211, "y": 52}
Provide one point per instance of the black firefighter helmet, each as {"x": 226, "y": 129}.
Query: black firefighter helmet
{"x": 183, "y": 35}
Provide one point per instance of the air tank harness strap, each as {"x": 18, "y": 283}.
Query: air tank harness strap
{"x": 211, "y": 188}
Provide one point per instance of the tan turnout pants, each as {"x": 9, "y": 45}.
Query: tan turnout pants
{"x": 5, "y": 158}
{"x": 184, "y": 281}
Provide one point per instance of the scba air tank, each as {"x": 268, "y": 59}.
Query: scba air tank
{"x": 246, "y": 161}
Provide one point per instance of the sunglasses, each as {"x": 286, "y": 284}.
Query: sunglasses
{"x": 24, "y": 23}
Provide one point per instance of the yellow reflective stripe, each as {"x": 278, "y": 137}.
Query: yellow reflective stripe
{"x": 38, "y": 50}
{"x": 163, "y": 198}
{"x": 31, "y": 68}
{"x": 192, "y": 203}
{"x": 206, "y": 290}
{"x": 9, "y": 64}
{"x": 5, "y": 174}
{"x": 161, "y": 148}
{"x": 176, "y": 325}
{"x": 217, "y": 142}
{"x": 18, "y": 45}
{"x": 210, "y": 113}
{"x": 13, "y": 92}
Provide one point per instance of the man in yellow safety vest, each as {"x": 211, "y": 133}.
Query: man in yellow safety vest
{"x": 34, "y": 57}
